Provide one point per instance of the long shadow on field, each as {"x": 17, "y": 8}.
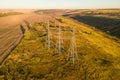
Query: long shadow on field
{"x": 111, "y": 26}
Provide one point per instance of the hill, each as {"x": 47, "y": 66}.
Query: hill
{"x": 105, "y": 20}
{"x": 98, "y": 53}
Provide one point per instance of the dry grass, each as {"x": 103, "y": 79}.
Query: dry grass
{"x": 98, "y": 55}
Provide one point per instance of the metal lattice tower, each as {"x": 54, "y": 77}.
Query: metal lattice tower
{"x": 73, "y": 50}
{"x": 48, "y": 36}
{"x": 59, "y": 41}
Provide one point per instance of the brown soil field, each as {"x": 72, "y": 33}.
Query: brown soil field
{"x": 10, "y": 28}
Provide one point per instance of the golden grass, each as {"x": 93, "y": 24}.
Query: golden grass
{"x": 98, "y": 56}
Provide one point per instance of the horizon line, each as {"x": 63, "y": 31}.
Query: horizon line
{"x": 54, "y": 8}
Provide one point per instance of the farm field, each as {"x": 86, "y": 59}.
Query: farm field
{"x": 106, "y": 20}
{"x": 66, "y": 45}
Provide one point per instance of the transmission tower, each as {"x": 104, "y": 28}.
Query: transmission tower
{"x": 48, "y": 36}
{"x": 73, "y": 50}
{"x": 59, "y": 41}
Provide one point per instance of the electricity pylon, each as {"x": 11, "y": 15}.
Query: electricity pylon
{"x": 72, "y": 55}
{"x": 59, "y": 41}
{"x": 48, "y": 36}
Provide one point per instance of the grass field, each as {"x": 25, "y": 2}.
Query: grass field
{"x": 9, "y": 14}
{"x": 98, "y": 53}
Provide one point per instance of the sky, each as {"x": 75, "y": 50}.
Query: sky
{"x": 59, "y": 4}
